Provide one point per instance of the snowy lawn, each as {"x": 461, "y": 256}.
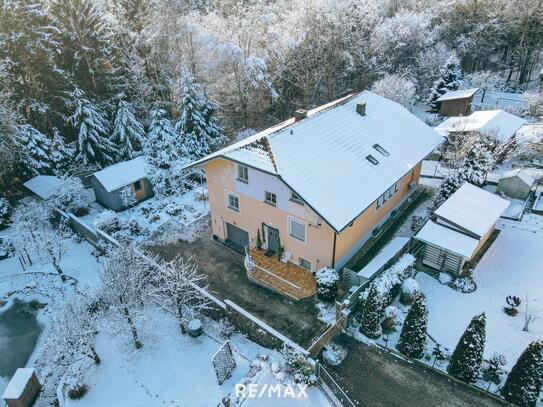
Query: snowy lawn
{"x": 173, "y": 369}
{"x": 176, "y": 213}
{"x": 511, "y": 266}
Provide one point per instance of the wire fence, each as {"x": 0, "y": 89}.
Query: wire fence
{"x": 332, "y": 388}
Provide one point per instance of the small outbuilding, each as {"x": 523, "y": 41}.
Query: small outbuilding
{"x": 460, "y": 227}
{"x": 516, "y": 183}
{"x": 43, "y": 186}
{"x": 109, "y": 182}
{"x": 456, "y": 102}
{"x": 22, "y": 389}
{"x": 497, "y": 124}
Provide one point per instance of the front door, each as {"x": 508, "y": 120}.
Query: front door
{"x": 273, "y": 239}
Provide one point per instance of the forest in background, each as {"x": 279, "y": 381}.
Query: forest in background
{"x": 85, "y": 83}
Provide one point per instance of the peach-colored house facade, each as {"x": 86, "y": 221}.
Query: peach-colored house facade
{"x": 316, "y": 186}
{"x": 323, "y": 246}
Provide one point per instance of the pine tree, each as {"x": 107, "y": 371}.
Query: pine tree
{"x": 36, "y": 150}
{"x": 128, "y": 132}
{"x": 525, "y": 380}
{"x": 449, "y": 80}
{"x": 413, "y": 335}
{"x": 161, "y": 146}
{"x": 450, "y": 184}
{"x": 467, "y": 357}
{"x": 198, "y": 126}
{"x": 477, "y": 163}
{"x": 93, "y": 146}
{"x": 29, "y": 44}
{"x": 135, "y": 13}
{"x": 61, "y": 155}
{"x": 372, "y": 312}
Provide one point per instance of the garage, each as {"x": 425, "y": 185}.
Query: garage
{"x": 236, "y": 238}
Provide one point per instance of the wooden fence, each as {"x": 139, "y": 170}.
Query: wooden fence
{"x": 327, "y": 336}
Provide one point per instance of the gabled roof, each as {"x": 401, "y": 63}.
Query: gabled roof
{"x": 521, "y": 173}
{"x": 458, "y": 94}
{"x": 473, "y": 209}
{"x": 43, "y": 185}
{"x": 497, "y": 123}
{"x": 121, "y": 174}
{"x": 323, "y": 157}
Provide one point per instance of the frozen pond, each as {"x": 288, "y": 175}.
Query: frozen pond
{"x": 19, "y": 333}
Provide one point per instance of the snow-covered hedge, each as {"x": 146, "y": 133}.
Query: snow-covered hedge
{"x": 327, "y": 278}
{"x": 388, "y": 283}
{"x": 107, "y": 221}
{"x": 410, "y": 290}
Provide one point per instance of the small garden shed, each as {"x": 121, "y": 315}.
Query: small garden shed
{"x": 460, "y": 227}
{"x": 457, "y": 102}
{"x": 516, "y": 183}
{"x": 22, "y": 389}
{"x": 109, "y": 182}
{"x": 43, "y": 186}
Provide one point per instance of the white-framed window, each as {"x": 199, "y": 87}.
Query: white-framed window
{"x": 270, "y": 198}
{"x": 243, "y": 173}
{"x": 305, "y": 264}
{"x": 294, "y": 197}
{"x": 296, "y": 229}
{"x": 232, "y": 201}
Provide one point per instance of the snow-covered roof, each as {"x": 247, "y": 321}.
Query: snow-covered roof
{"x": 458, "y": 94}
{"x": 448, "y": 239}
{"x": 388, "y": 252}
{"x": 323, "y": 157}
{"x": 497, "y": 123}
{"x": 472, "y": 209}
{"x": 17, "y": 384}
{"x": 521, "y": 173}
{"x": 121, "y": 174}
{"x": 43, "y": 185}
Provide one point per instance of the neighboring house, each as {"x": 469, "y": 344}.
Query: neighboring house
{"x": 460, "y": 227}
{"x": 43, "y": 186}
{"x": 317, "y": 185}
{"x": 109, "y": 182}
{"x": 516, "y": 183}
{"x": 498, "y": 124}
{"x": 456, "y": 102}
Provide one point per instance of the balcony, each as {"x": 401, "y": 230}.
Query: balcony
{"x": 283, "y": 277}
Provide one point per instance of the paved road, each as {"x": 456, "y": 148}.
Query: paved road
{"x": 377, "y": 378}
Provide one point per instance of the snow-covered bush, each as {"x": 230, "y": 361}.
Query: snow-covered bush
{"x": 333, "y": 354}
{"x": 75, "y": 387}
{"x": 201, "y": 194}
{"x": 413, "y": 336}
{"x": 327, "y": 278}
{"x": 71, "y": 197}
{"x": 226, "y": 328}
{"x": 417, "y": 222}
{"x": 396, "y": 88}
{"x": 467, "y": 357}
{"x": 445, "y": 278}
{"x": 296, "y": 364}
{"x": 390, "y": 321}
{"x": 243, "y": 134}
{"x": 107, "y": 221}
{"x": 372, "y": 312}
{"x": 463, "y": 284}
{"x": 494, "y": 368}
{"x": 390, "y": 281}
{"x": 410, "y": 290}
{"x": 5, "y": 212}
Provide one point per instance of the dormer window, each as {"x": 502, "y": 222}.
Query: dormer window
{"x": 381, "y": 150}
{"x": 372, "y": 159}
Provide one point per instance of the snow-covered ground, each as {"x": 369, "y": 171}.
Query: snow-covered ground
{"x": 177, "y": 370}
{"x": 175, "y": 213}
{"x": 511, "y": 266}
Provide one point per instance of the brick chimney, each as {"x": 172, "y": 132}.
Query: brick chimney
{"x": 300, "y": 114}
{"x": 361, "y": 109}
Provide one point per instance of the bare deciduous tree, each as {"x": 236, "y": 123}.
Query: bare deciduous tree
{"x": 529, "y": 314}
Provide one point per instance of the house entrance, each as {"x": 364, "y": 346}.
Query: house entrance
{"x": 272, "y": 237}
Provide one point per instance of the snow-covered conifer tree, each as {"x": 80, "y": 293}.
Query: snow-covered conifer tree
{"x": 449, "y": 79}
{"x": 478, "y": 162}
{"x": 36, "y": 150}
{"x": 128, "y": 132}
{"x": 466, "y": 360}
{"x": 372, "y": 312}
{"x": 124, "y": 279}
{"x": 524, "y": 383}
{"x": 198, "y": 126}
{"x": 5, "y": 212}
{"x": 450, "y": 184}
{"x": 175, "y": 287}
{"x": 61, "y": 155}
{"x": 413, "y": 336}
{"x": 93, "y": 145}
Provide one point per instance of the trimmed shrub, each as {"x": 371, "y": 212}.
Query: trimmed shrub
{"x": 413, "y": 337}
{"x": 467, "y": 357}
{"x": 327, "y": 278}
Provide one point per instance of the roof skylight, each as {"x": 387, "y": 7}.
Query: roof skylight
{"x": 381, "y": 150}
{"x": 372, "y": 159}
